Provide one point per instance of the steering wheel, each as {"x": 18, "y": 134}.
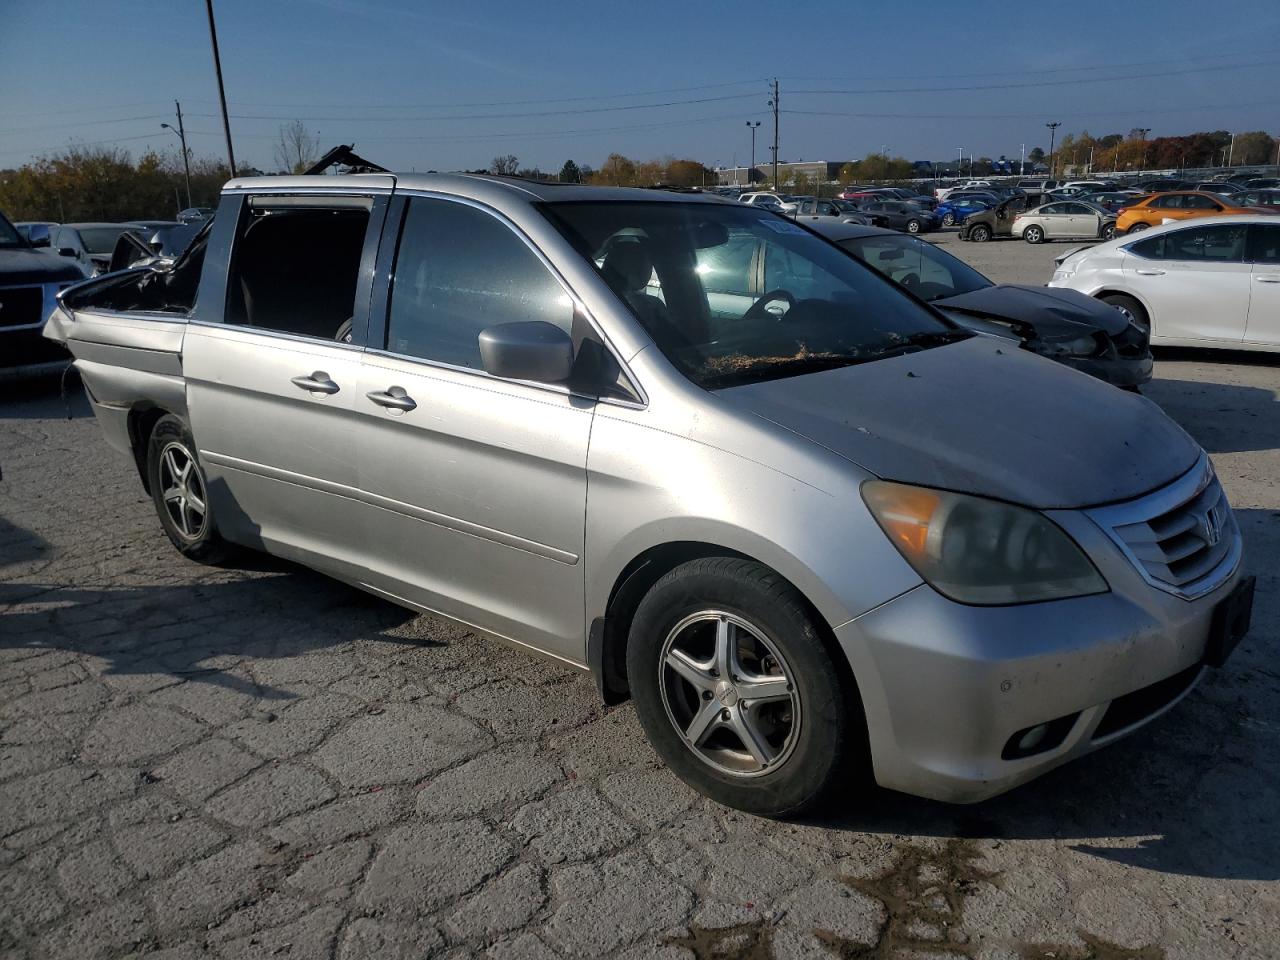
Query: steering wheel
{"x": 910, "y": 280}
{"x": 757, "y": 310}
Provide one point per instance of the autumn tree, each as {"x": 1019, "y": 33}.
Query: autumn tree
{"x": 297, "y": 148}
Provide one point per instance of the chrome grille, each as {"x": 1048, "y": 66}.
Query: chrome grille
{"x": 1183, "y": 538}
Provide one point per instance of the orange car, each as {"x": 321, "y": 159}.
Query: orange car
{"x": 1177, "y": 205}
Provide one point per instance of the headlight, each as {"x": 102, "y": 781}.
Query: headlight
{"x": 1085, "y": 346}
{"x": 981, "y": 551}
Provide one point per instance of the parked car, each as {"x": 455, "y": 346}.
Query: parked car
{"x": 1262, "y": 183}
{"x": 997, "y": 221}
{"x": 765, "y": 199}
{"x": 1069, "y": 327}
{"x": 1162, "y": 185}
{"x": 29, "y": 280}
{"x": 195, "y": 214}
{"x": 837, "y": 211}
{"x": 1064, "y": 220}
{"x": 89, "y": 245}
{"x": 832, "y": 527}
{"x": 35, "y": 232}
{"x": 1113, "y": 200}
{"x": 955, "y": 211}
{"x": 1182, "y": 205}
{"x": 1037, "y": 186}
{"x": 1223, "y": 187}
{"x": 1264, "y": 197}
{"x": 1208, "y": 283}
{"x": 986, "y": 196}
{"x": 1078, "y": 188}
{"x": 899, "y": 215}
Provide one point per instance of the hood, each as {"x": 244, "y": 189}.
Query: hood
{"x": 23, "y": 266}
{"x": 1055, "y": 313}
{"x": 984, "y": 418}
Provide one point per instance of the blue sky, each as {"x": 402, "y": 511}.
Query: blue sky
{"x": 447, "y": 86}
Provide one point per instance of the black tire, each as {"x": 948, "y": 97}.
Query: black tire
{"x": 1130, "y": 308}
{"x": 1109, "y": 231}
{"x": 1138, "y": 227}
{"x": 1033, "y": 234}
{"x": 813, "y": 753}
{"x": 176, "y": 491}
{"x": 980, "y": 233}
{"x": 949, "y": 220}
{"x": 913, "y": 226}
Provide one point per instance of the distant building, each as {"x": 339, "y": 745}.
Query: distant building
{"x": 824, "y": 170}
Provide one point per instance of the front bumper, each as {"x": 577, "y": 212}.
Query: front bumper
{"x": 946, "y": 686}
{"x": 1117, "y": 371}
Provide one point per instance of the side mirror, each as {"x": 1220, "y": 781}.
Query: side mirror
{"x": 528, "y": 350}
{"x": 66, "y": 252}
{"x": 39, "y": 235}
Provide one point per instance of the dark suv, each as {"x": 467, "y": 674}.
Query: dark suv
{"x": 29, "y": 280}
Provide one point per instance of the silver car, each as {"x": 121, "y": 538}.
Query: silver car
{"x": 808, "y": 525}
{"x": 1065, "y": 220}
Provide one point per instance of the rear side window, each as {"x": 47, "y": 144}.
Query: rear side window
{"x": 1199, "y": 203}
{"x": 458, "y": 271}
{"x": 295, "y": 263}
{"x": 1264, "y": 243}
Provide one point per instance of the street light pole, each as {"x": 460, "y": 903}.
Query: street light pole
{"x": 222, "y": 95}
{"x": 186, "y": 156}
{"x": 1022, "y": 162}
{"x": 1053, "y": 132}
{"x": 751, "y": 170}
{"x": 960, "y": 163}
{"x": 774, "y": 103}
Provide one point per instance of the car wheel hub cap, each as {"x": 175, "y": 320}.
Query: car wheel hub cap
{"x": 183, "y": 490}
{"x": 729, "y": 693}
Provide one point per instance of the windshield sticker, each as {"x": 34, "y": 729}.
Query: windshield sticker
{"x": 782, "y": 226}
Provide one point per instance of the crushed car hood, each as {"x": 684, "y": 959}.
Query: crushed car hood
{"x": 1053, "y": 312}
{"x": 982, "y": 417}
{"x": 23, "y": 266}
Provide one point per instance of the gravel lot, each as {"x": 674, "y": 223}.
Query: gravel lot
{"x": 261, "y": 762}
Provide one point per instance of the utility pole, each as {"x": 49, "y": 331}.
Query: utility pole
{"x": 1022, "y": 162}
{"x": 774, "y": 103}
{"x": 1142, "y": 132}
{"x": 1053, "y": 132}
{"x": 222, "y": 94}
{"x": 186, "y": 156}
{"x": 1231, "y": 154}
{"x": 960, "y": 163}
{"x": 752, "y": 169}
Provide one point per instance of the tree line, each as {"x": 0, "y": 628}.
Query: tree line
{"x": 1121, "y": 152}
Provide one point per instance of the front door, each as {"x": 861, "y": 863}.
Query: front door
{"x": 271, "y": 380}
{"x": 479, "y": 484}
{"x": 1195, "y": 281}
{"x": 1264, "y": 299}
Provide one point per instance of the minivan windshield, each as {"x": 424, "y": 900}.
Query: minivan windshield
{"x": 9, "y": 236}
{"x": 734, "y": 295}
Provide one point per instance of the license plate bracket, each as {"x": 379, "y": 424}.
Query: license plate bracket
{"x": 1231, "y": 618}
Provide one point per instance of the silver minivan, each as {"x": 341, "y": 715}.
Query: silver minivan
{"x": 807, "y": 524}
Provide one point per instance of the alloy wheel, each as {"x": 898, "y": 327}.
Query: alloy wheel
{"x": 729, "y": 693}
{"x": 183, "y": 490}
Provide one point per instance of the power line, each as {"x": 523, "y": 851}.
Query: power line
{"x": 1038, "y": 83}
{"x": 84, "y": 123}
{"x": 1143, "y": 110}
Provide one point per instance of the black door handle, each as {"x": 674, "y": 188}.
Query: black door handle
{"x": 318, "y": 382}
{"x": 393, "y": 397}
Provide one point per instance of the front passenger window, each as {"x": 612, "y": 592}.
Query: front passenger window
{"x": 459, "y": 270}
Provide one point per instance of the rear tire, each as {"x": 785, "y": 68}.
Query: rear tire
{"x": 913, "y": 226}
{"x": 1033, "y": 234}
{"x": 1109, "y": 231}
{"x": 949, "y": 220}
{"x": 980, "y": 233}
{"x": 1139, "y": 227}
{"x": 180, "y": 494}
{"x": 784, "y": 692}
{"x": 1131, "y": 308}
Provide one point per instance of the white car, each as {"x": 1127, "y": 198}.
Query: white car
{"x": 761, "y": 198}
{"x": 943, "y": 192}
{"x": 1207, "y": 282}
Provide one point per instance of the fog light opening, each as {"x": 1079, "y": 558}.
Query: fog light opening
{"x": 1040, "y": 738}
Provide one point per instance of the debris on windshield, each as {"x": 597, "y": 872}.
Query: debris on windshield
{"x": 735, "y": 362}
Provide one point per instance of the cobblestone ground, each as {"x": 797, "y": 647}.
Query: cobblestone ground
{"x": 261, "y": 762}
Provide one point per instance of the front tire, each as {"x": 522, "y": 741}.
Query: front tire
{"x": 1131, "y": 308}
{"x": 1033, "y": 234}
{"x": 736, "y": 689}
{"x": 980, "y": 233}
{"x": 949, "y": 220}
{"x": 913, "y": 226}
{"x": 180, "y": 494}
{"x": 1109, "y": 231}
